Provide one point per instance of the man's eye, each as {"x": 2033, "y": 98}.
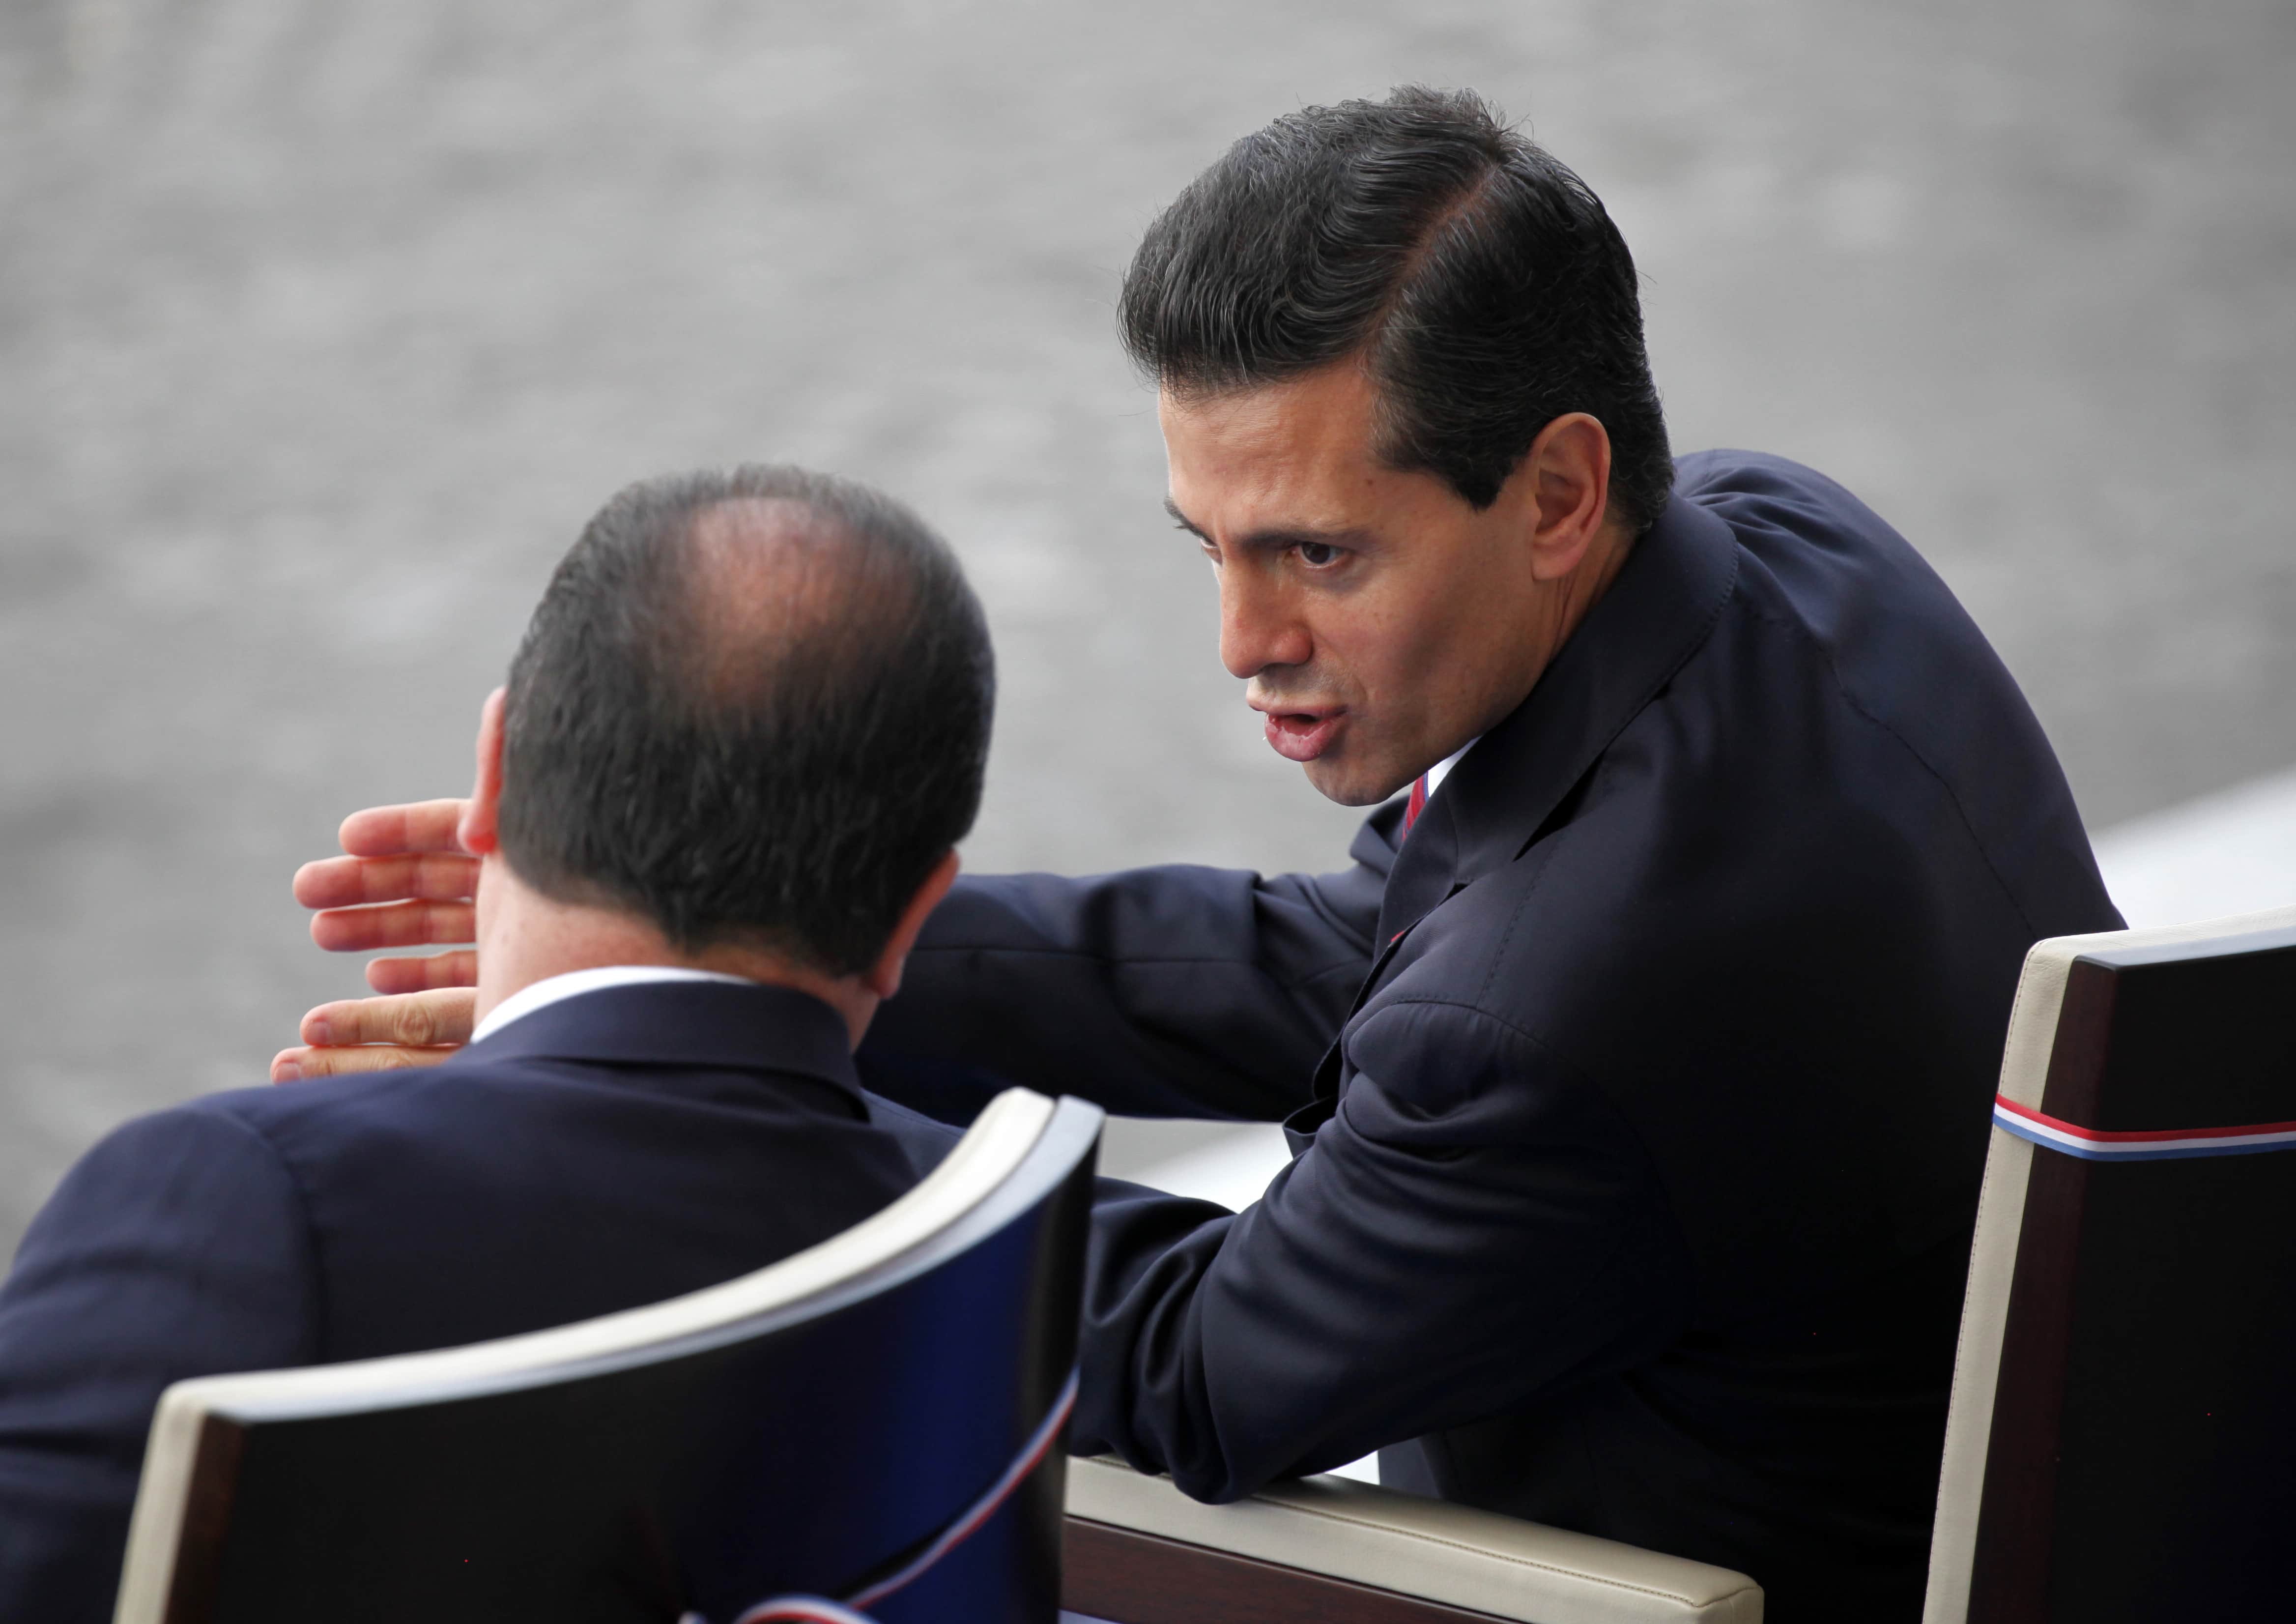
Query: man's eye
{"x": 1315, "y": 554}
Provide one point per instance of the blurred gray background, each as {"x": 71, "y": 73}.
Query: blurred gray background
{"x": 325, "y": 322}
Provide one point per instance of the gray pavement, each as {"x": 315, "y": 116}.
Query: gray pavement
{"x": 323, "y": 325}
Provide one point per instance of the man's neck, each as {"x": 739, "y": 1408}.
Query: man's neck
{"x": 1576, "y": 594}
{"x": 526, "y": 938}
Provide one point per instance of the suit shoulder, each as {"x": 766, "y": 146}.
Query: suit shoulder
{"x": 231, "y": 1123}
{"x": 1704, "y": 476}
{"x": 275, "y": 1126}
{"x": 266, "y": 1111}
{"x": 1819, "y": 566}
{"x": 197, "y": 1179}
{"x": 1879, "y": 628}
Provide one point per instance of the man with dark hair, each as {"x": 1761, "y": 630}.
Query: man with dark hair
{"x": 1476, "y": 280}
{"x": 1637, "y": 1073}
{"x": 746, "y": 727}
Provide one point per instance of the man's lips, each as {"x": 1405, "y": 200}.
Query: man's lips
{"x": 1302, "y": 735}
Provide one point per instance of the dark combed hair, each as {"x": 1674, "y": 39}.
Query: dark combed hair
{"x": 1481, "y": 280}
{"x": 764, "y": 725}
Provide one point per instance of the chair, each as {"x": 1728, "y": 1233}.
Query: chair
{"x": 871, "y": 1427}
{"x": 2121, "y": 1444}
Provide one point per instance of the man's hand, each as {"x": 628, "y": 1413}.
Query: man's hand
{"x": 404, "y": 882}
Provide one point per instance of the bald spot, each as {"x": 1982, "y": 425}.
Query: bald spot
{"x": 770, "y": 578}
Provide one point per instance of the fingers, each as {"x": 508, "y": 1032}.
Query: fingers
{"x": 394, "y": 924}
{"x": 401, "y": 975}
{"x": 405, "y": 883}
{"x": 415, "y": 1020}
{"x": 341, "y": 882}
{"x": 302, "y": 1065}
{"x": 390, "y": 831}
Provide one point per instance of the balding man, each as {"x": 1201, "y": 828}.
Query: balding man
{"x": 790, "y": 684}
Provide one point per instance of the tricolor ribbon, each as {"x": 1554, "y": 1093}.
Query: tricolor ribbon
{"x": 2159, "y": 1144}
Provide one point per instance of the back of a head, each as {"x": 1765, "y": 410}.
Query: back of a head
{"x": 752, "y": 707}
{"x": 1481, "y": 280}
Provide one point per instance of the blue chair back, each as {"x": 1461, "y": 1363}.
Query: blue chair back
{"x": 871, "y": 1428}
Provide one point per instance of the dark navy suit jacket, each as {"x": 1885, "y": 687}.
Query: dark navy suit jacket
{"x": 1639, "y": 1099}
{"x": 613, "y": 1149}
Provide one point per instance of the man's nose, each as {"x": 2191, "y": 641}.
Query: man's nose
{"x": 1258, "y": 629}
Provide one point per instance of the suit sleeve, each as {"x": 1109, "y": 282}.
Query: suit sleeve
{"x": 177, "y": 1247}
{"x": 1170, "y": 991}
{"x": 1473, "y": 1225}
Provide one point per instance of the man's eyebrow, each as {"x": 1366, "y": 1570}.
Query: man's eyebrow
{"x": 1353, "y": 535}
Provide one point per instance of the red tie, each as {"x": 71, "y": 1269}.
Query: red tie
{"x": 1417, "y": 804}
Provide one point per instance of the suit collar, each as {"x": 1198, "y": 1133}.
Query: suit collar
{"x": 550, "y": 989}
{"x": 1657, "y": 612}
{"x": 742, "y": 1027}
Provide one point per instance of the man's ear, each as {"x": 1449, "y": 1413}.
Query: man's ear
{"x": 1568, "y": 468}
{"x": 479, "y": 831}
{"x": 884, "y": 978}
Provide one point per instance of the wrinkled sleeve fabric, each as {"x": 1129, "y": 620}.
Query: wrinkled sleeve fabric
{"x": 177, "y": 1247}
{"x": 1473, "y": 1225}
{"x": 1170, "y": 991}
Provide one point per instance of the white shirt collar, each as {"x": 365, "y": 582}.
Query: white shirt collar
{"x": 1442, "y": 769}
{"x": 540, "y": 995}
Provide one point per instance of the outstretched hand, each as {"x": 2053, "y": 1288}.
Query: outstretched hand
{"x": 404, "y": 881}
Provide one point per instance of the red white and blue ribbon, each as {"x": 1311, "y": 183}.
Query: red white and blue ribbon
{"x": 2159, "y": 1145}
{"x": 821, "y": 1609}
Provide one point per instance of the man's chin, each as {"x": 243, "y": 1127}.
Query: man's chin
{"x": 1338, "y": 779}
